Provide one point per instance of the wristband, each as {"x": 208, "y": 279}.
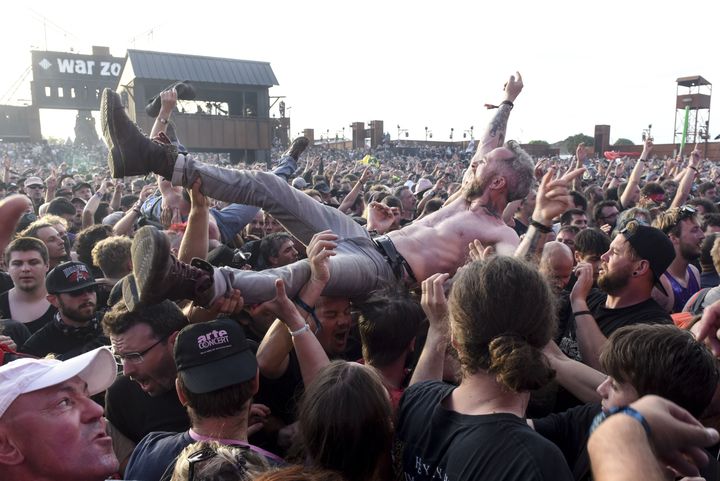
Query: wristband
{"x": 633, "y": 413}
{"x": 693, "y": 168}
{"x": 507, "y": 102}
{"x": 582, "y": 313}
{"x": 305, "y": 328}
{"x": 541, "y": 227}
{"x": 309, "y": 310}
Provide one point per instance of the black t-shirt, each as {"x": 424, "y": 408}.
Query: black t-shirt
{"x": 609, "y": 320}
{"x": 434, "y": 443}
{"x": 135, "y": 413}
{"x": 35, "y": 325}
{"x": 570, "y": 431}
{"x": 65, "y": 342}
{"x": 15, "y": 330}
{"x": 6, "y": 282}
{"x": 282, "y": 394}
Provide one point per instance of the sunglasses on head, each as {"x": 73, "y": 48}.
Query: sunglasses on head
{"x": 630, "y": 227}
{"x": 205, "y": 454}
{"x": 686, "y": 212}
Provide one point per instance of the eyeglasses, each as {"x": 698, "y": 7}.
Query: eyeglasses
{"x": 80, "y": 292}
{"x": 134, "y": 357}
{"x": 209, "y": 453}
{"x": 35, "y": 186}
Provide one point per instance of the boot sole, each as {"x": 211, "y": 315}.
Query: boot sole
{"x": 150, "y": 253}
{"x": 115, "y": 157}
{"x": 130, "y": 292}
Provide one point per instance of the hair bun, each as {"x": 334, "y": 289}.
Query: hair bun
{"x": 517, "y": 365}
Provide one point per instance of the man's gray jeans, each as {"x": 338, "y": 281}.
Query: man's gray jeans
{"x": 356, "y": 270}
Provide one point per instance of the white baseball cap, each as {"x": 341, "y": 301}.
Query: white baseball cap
{"x": 97, "y": 368}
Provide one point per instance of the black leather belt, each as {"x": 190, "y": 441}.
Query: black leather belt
{"x": 398, "y": 264}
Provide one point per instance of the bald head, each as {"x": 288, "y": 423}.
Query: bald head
{"x": 556, "y": 264}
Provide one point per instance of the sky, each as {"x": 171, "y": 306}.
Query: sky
{"x": 415, "y": 64}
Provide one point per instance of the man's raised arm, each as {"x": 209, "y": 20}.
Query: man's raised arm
{"x": 552, "y": 200}
{"x": 494, "y": 135}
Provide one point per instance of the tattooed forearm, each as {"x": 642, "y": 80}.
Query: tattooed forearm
{"x": 495, "y": 134}
{"x": 532, "y": 244}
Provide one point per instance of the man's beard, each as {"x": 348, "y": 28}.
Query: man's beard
{"x": 477, "y": 187}
{"x": 689, "y": 252}
{"x": 613, "y": 282}
{"x": 76, "y": 314}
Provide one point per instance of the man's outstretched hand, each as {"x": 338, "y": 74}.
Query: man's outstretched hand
{"x": 553, "y": 196}
{"x": 380, "y": 217}
{"x": 513, "y": 87}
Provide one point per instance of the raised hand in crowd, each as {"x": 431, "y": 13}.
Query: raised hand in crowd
{"x": 434, "y": 304}
{"x": 380, "y": 217}
{"x": 478, "y": 252}
{"x": 513, "y": 87}
{"x": 168, "y": 101}
{"x": 146, "y": 191}
{"x": 258, "y": 416}
{"x": 552, "y": 200}
{"x": 319, "y": 251}
{"x": 707, "y": 329}
{"x": 225, "y": 306}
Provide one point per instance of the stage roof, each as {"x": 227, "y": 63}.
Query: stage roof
{"x": 195, "y": 68}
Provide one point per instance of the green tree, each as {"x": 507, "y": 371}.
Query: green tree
{"x": 539, "y": 142}
{"x": 572, "y": 142}
{"x": 621, "y": 141}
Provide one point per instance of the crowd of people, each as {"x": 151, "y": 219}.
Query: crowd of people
{"x": 353, "y": 315}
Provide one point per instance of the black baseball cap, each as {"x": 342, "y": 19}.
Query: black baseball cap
{"x": 68, "y": 277}
{"x": 81, "y": 185}
{"x": 214, "y": 355}
{"x": 322, "y": 187}
{"x": 653, "y": 245}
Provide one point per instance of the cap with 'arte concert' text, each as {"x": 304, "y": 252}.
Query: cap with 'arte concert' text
{"x": 214, "y": 355}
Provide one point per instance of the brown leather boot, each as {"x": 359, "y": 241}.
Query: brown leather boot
{"x": 297, "y": 147}
{"x": 131, "y": 152}
{"x": 159, "y": 275}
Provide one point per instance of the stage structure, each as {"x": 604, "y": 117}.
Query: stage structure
{"x": 360, "y": 134}
{"x": 231, "y": 110}
{"x": 694, "y": 93}
{"x": 63, "y": 80}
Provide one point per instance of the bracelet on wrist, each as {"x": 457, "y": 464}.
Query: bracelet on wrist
{"x": 304, "y": 329}
{"x": 541, "y": 227}
{"x": 582, "y": 313}
{"x": 633, "y": 413}
{"x": 508, "y": 102}
{"x": 309, "y": 310}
